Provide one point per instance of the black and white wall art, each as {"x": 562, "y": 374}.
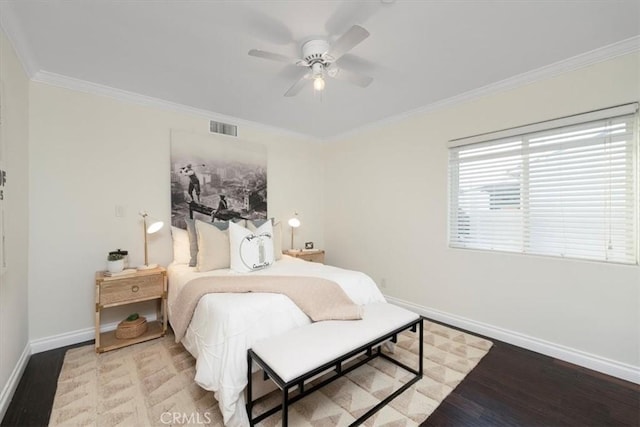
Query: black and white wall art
{"x": 216, "y": 178}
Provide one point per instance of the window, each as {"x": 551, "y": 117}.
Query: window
{"x": 566, "y": 188}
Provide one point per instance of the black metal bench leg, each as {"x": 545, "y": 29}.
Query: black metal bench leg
{"x": 421, "y": 346}
{"x": 249, "y": 391}
{"x": 285, "y": 407}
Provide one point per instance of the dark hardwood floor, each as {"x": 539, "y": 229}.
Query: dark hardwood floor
{"x": 509, "y": 387}
{"x": 32, "y": 401}
{"x": 512, "y": 386}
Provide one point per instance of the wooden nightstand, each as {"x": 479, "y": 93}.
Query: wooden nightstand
{"x": 144, "y": 285}
{"x": 315, "y": 255}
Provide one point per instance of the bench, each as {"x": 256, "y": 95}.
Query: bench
{"x": 292, "y": 360}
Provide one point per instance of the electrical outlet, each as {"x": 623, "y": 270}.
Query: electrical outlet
{"x": 120, "y": 211}
{"x": 383, "y": 283}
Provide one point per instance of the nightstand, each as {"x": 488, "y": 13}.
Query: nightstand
{"x": 315, "y": 255}
{"x": 114, "y": 291}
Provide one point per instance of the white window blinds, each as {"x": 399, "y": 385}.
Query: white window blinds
{"x": 570, "y": 191}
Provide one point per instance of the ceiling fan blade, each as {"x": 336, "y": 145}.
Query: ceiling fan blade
{"x": 297, "y": 86}
{"x": 351, "y": 77}
{"x": 344, "y": 44}
{"x": 273, "y": 56}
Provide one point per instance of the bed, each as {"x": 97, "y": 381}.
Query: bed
{"x": 225, "y": 325}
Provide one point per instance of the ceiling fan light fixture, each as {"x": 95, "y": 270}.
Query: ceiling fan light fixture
{"x": 318, "y": 76}
{"x": 318, "y": 83}
{"x": 318, "y": 56}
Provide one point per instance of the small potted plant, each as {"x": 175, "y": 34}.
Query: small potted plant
{"x": 115, "y": 263}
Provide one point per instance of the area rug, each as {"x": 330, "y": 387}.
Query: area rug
{"x": 151, "y": 384}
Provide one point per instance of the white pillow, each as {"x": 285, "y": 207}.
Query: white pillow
{"x": 251, "y": 251}
{"x": 277, "y": 237}
{"x": 213, "y": 247}
{"x": 181, "y": 250}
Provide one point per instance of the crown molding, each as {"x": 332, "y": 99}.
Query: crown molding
{"x": 71, "y": 83}
{"x": 12, "y": 29}
{"x": 624, "y": 47}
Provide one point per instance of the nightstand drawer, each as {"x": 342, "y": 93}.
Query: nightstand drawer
{"x": 132, "y": 288}
{"x": 315, "y": 257}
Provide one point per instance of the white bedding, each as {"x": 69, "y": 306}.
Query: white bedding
{"x": 224, "y": 326}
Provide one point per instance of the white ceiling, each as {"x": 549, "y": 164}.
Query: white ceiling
{"x": 420, "y": 52}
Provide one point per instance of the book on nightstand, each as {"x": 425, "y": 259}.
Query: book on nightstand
{"x": 124, "y": 272}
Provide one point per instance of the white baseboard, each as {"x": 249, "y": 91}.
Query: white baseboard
{"x": 591, "y": 361}
{"x": 61, "y": 340}
{"x": 14, "y": 379}
{"x": 74, "y": 337}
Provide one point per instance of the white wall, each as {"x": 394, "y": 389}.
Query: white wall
{"x": 13, "y": 284}
{"x": 386, "y": 190}
{"x": 89, "y": 153}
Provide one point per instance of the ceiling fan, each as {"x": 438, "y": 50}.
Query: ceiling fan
{"x": 320, "y": 58}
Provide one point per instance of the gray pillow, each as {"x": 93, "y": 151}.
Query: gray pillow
{"x": 193, "y": 242}
{"x": 258, "y": 222}
{"x": 220, "y": 225}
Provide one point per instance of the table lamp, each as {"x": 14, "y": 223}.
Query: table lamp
{"x": 154, "y": 226}
{"x": 294, "y": 223}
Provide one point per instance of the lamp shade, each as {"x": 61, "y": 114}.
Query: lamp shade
{"x": 294, "y": 222}
{"x": 153, "y": 225}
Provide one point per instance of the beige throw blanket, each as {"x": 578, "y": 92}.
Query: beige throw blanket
{"x": 318, "y": 298}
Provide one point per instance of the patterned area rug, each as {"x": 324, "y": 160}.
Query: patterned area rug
{"x": 151, "y": 384}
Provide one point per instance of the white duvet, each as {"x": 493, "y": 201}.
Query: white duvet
{"x": 224, "y": 326}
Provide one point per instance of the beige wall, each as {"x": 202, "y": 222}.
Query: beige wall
{"x": 390, "y": 184}
{"x": 89, "y": 153}
{"x": 13, "y": 284}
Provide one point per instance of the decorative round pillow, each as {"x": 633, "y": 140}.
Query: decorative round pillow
{"x": 251, "y": 251}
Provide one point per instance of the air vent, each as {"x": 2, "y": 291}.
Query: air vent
{"x": 223, "y": 128}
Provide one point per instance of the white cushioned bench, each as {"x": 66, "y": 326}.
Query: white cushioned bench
{"x": 300, "y": 355}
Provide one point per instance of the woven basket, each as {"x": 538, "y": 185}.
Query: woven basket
{"x": 131, "y": 329}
